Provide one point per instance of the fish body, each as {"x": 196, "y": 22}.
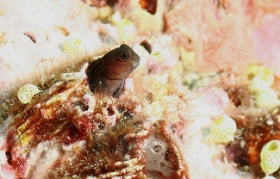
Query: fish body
{"x": 109, "y": 72}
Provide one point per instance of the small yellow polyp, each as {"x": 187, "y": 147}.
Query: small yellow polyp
{"x": 267, "y": 99}
{"x": 71, "y": 46}
{"x": 223, "y": 129}
{"x": 264, "y": 73}
{"x": 26, "y": 92}
{"x": 270, "y": 157}
{"x": 126, "y": 30}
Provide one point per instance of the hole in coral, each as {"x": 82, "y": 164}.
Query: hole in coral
{"x": 81, "y": 105}
{"x": 101, "y": 126}
{"x": 236, "y": 153}
{"x": 9, "y": 157}
{"x": 167, "y": 156}
{"x": 110, "y": 111}
{"x": 157, "y": 148}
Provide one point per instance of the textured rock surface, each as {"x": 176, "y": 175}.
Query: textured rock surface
{"x": 194, "y": 56}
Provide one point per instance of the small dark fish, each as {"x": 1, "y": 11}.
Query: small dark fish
{"x": 109, "y": 72}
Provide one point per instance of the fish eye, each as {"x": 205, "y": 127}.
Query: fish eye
{"x": 123, "y": 56}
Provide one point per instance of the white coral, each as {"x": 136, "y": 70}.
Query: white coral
{"x": 155, "y": 150}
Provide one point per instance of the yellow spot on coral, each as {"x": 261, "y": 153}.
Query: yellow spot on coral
{"x": 126, "y": 29}
{"x": 188, "y": 58}
{"x": 258, "y": 85}
{"x": 158, "y": 56}
{"x": 57, "y": 98}
{"x": 223, "y": 129}
{"x": 261, "y": 79}
{"x": 105, "y": 12}
{"x": 26, "y": 92}
{"x": 71, "y": 46}
{"x": 261, "y": 71}
{"x": 25, "y": 139}
{"x": 270, "y": 157}
{"x": 267, "y": 99}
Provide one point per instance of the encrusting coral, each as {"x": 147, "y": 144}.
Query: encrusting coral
{"x": 173, "y": 101}
{"x": 94, "y": 134}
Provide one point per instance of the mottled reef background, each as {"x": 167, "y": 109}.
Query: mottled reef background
{"x": 198, "y": 62}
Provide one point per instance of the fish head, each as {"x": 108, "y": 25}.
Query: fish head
{"x": 120, "y": 62}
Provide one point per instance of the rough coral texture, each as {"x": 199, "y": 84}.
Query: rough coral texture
{"x": 92, "y": 134}
{"x": 193, "y": 60}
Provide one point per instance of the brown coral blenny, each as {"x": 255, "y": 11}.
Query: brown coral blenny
{"x": 109, "y": 72}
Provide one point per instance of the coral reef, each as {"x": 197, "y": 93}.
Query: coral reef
{"x": 202, "y": 103}
{"x": 90, "y": 135}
